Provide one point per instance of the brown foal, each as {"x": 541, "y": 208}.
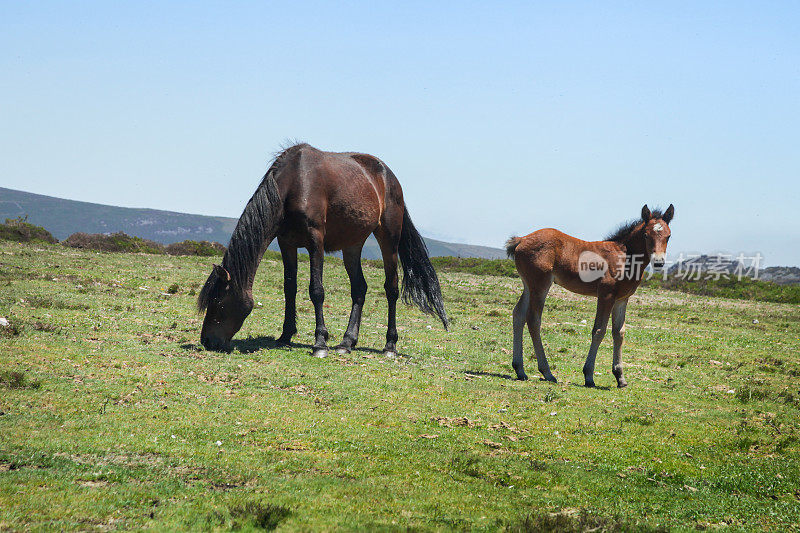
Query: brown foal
{"x": 610, "y": 270}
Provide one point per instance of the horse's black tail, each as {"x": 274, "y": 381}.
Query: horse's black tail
{"x": 420, "y": 283}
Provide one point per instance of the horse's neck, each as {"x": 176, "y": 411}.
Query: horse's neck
{"x": 244, "y": 278}
{"x": 255, "y": 229}
{"x": 636, "y": 252}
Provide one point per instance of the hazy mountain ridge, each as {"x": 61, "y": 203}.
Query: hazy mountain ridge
{"x": 64, "y": 217}
{"x": 721, "y": 266}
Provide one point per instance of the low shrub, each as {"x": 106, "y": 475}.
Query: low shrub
{"x": 14, "y": 379}
{"x": 116, "y": 242}
{"x": 262, "y": 516}
{"x": 470, "y": 265}
{"x": 741, "y": 289}
{"x": 579, "y": 522}
{"x": 199, "y": 248}
{"x": 20, "y": 230}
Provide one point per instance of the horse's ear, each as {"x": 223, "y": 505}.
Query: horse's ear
{"x": 669, "y": 213}
{"x": 222, "y": 273}
{"x": 645, "y": 213}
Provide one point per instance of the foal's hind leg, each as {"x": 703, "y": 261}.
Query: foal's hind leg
{"x": 535, "y": 309}
{"x": 519, "y": 317}
{"x": 358, "y": 290}
{"x": 289, "y": 256}
{"x": 317, "y": 293}
{"x": 618, "y": 331}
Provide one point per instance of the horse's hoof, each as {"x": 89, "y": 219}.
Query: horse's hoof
{"x": 390, "y": 353}
{"x": 342, "y": 350}
{"x": 589, "y": 384}
{"x": 622, "y": 384}
{"x": 551, "y": 379}
{"x": 283, "y": 341}
{"x": 320, "y": 352}
{"x": 522, "y": 377}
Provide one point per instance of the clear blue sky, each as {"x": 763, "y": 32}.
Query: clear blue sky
{"x": 498, "y": 118}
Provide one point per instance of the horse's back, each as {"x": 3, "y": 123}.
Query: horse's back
{"x": 341, "y": 194}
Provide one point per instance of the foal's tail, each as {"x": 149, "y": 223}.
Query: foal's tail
{"x": 511, "y": 246}
{"x": 420, "y": 283}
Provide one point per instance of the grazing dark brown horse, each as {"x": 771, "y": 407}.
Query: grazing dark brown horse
{"x": 321, "y": 201}
{"x": 610, "y": 270}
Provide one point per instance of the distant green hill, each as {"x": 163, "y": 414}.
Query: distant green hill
{"x": 65, "y": 217}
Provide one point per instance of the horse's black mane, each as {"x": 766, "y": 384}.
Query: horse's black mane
{"x": 256, "y": 226}
{"x": 624, "y": 231}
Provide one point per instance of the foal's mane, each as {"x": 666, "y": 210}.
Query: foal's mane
{"x": 248, "y": 241}
{"x": 626, "y": 229}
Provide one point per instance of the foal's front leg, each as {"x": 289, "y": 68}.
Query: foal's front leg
{"x": 317, "y": 293}
{"x": 604, "y": 305}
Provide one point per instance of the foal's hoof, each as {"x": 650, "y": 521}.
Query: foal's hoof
{"x": 390, "y": 353}
{"x": 320, "y": 352}
{"x": 342, "y": 350}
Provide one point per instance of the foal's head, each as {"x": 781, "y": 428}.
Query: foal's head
{"x": 657, "y": 233}
{"x": 226, "y": 307}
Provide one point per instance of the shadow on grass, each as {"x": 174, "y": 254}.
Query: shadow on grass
{"x": 489, "y": 374}
{"x": 513, "y": 378}
{"x": 596, "y": 387}
{"x": 255, "y": 344}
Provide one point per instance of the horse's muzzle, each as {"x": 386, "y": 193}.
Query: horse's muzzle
{"x": 215, "y": 344}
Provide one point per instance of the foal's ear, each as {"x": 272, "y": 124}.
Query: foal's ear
{"x": 668, "y": 214}
{"x": 645, "y": 213}
{"x": 222, "y": 273}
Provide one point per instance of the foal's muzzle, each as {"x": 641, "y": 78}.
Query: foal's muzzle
{"x": 659, "y": 260}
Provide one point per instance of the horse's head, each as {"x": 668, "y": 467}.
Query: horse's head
{"x": 226, "y": 307}
{"x": 657, "y": 233}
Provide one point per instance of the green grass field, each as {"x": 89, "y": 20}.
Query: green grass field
{"x": 114, "y": 418}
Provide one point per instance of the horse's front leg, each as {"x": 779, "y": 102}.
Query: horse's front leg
{"x": 317, "y": 293}
{"x": 358, "y": 291}
{"x": 289, "y": 256}
{"x": 605, "y": 302}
